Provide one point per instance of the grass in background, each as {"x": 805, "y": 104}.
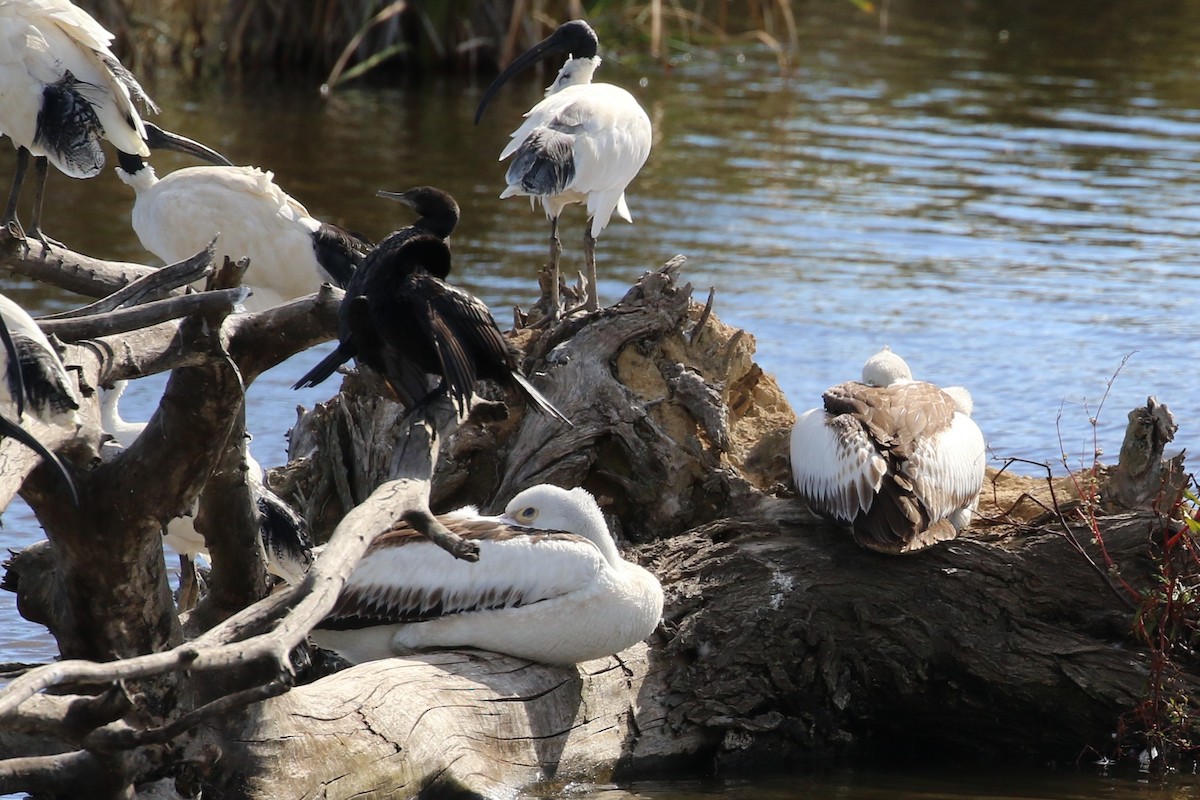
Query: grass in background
{"x": 333, "y": 41}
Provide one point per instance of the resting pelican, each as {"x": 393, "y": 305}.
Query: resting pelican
{"x": 34, "y": 380}
{"x": 282, "y": 532}
{"x": 584, "y": 143}
{"x": 549, "y": 586}
{"x": 899, "y": 461}
{"x": 61, "y": 91}
{"x": 291, "y": 252}
{"x": 401, "y": 319}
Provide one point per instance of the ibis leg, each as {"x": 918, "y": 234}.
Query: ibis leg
{"x": 42, "y": 165}
{"x": 10, "y": 211}
{"x": 592, "y": 302}
{"x": 550, "y": 301}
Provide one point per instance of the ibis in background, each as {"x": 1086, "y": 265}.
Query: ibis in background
{"x": 401, "y": 319}
{"x": 549, "y": 586}
{"x": 899, "y": 461}
{"x": 61, "y": 91}
{"x": 283, "y": 534}
{"x": 291, "y": 252}
{"x": 35, "y": 380}
{"x": 583, "y": 143}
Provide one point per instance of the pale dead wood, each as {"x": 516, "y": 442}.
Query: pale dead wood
{"x": 66, "y": 269}
{"x": 111, "y": 323}
{"x": 307, "y": 603}
{"x": 149, "y": 286}
{"x": 471, "y": 722}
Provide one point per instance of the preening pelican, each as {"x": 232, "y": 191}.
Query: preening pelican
{"x": 584, "y": 143}
{"x": 35, "y": 380}
{"x": 291, "y": 253}
{"x": 401, "y": 319}
{"x": 549, "y": 586}
{"x": 283, "y": 534}
{"x": 61, "y": 91}
{"x": 899, "y": 461}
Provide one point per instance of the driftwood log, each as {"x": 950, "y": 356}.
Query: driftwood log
{"x": 782, "y": 640}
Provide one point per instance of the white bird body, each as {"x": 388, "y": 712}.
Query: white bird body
{"x": 584, "y": 143}
{"x": 609, "y": 136}
{"x": 900, "y": 463}
{"x": 549, "y": 586}
{"x": 178, "y": 215}
{"x": 41, "y": 41}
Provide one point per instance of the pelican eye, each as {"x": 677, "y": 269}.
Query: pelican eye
{"x": 527, "y": 514}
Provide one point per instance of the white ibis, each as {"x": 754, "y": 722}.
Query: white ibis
{"x": 899, "y": 461}
{"x": 34, "y": 380}
{"x": 282, "y": 532}
{"x": 61, "y": 91}
{"x": 584, "y": 143}
{"x": 549, "y": 586}
{"x": 401, "y": 319}
{"x": 291, "y": 252}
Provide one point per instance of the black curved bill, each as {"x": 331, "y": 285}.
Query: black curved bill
{"x": 159, "y": 139}
{"x": 575, "y": 38}
{"x": 10, "y": 428}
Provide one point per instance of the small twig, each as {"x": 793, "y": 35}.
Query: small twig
{"x": 704, "y": 315}
{"x": 425, "y": 523}
{"x": 122, "y": 737}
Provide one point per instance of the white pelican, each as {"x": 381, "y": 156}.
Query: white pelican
{"x": 283, "y": 534}
{"x": 584, "y": 143}
{"x": 549, "y": 586}
{"x": 34, "y": 379}
{"x": 899, "y": 461}
{"x": 291, "y": 252}
{"x": 61, "y": 91}
{"x": 401, "y": 318}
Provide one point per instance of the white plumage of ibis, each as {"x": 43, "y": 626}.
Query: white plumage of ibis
{"x": 401, "y": 319}
{"x": 291, "y": 252}
{"x": 899, "y": 461}
{"x": 61, "y": 91}
{"x": 34, "y": 380}
{"x": 549, "y": 586}
{"x": 584, "y": 143}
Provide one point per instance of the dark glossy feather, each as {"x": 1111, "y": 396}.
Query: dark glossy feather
{"x": 67, "y": 126}
{"x": 339, "y": 252}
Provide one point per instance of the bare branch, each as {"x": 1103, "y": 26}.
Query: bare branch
{"x": 66, "y": 269}
{"x": 77, "y": 774}
{"x": 154, "y": 284}
{"x": 112, "y": 323}
{"x": 306, "y": 603}
{"x": 123, "y": 737}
